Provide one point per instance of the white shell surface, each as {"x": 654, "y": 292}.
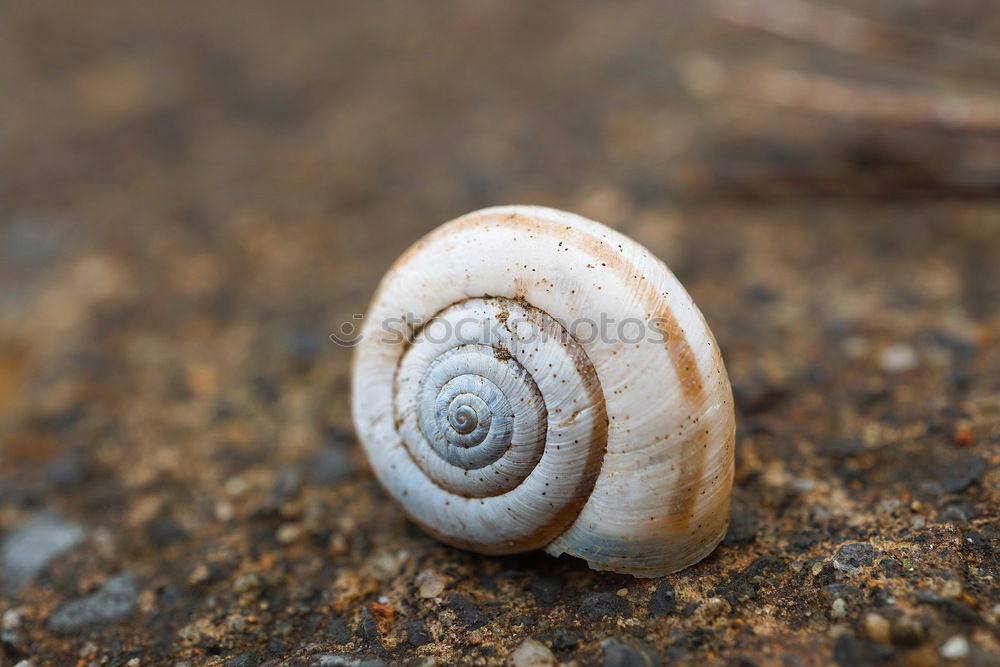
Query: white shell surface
{"x": 547, "y": 433}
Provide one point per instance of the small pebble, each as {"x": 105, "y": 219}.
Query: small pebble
{"x": 962, "y": 435}
{"x": 236, "y": 485}
{"x": 852, "y": 557}
{"x": 877, "y": 628}
{"x": 224, "y": 511}
{"x": 664, "y": 599}
{"x": 838, "y": 609}
{"x": 289, "y": 532}
{"x": 30, "y": 548}
{"x": 246, "y": 583}
{"x": 116, "y": 599}
{"x": 952, "y": 589}
{"x": 803, "y": 485}
{"x": 955, "y": 648}
{"x": 12, "y": 618}
{"x": 430, "y": 584}
{"x": 629, "y": 653}
{"x": 532, "y": 653}
{"x": 200, "y": 574}
{"x": 387, "y": 564}
{"x": 959, "y": 474}
{"x": 898, "y": 358}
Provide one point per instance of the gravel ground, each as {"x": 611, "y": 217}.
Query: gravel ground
{"x": 193, "y": 196}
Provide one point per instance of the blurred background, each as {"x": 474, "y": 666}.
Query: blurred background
{"x": 194, "y": 195}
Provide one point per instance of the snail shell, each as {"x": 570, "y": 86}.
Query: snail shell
{"x": 497, "y": 414}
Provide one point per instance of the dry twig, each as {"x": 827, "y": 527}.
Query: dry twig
{"x": 707, "y": 76}
{"x": 840, "y": 29}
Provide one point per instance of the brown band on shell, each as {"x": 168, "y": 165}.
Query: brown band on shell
{"x": 599, "y": 430}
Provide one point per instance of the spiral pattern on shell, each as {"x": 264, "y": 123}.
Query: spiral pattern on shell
{"x": 484, "y": 414}
{"x": 500, "y": 428}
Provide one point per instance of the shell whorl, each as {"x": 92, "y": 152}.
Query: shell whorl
{"x": 501, "y": 427}
{"x": 485, "y": 399}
